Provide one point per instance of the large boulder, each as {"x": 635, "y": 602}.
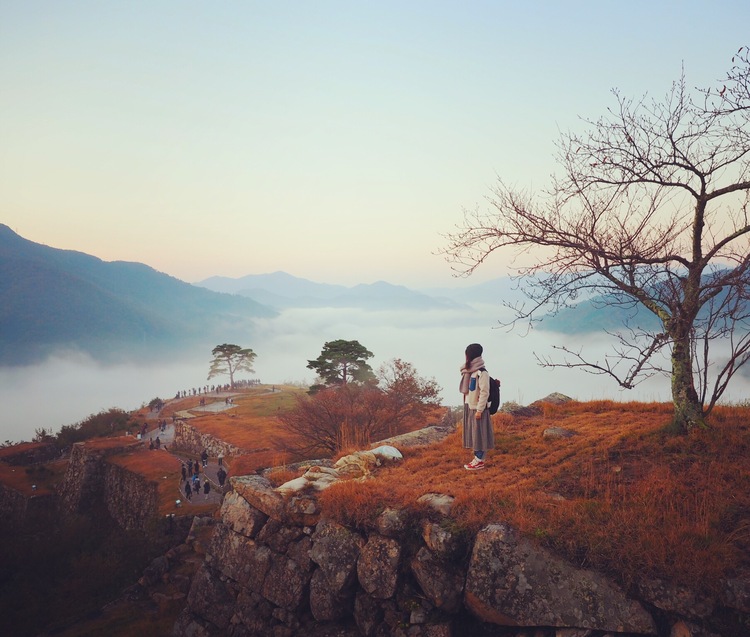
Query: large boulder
{"x": 210, "y": 598}
{"x": 234, "y": 555}
{"x": 335, "y": 550}
{"x": 377, "y": 567}
{"x": 242, "y": 518}
{"x": 368, "y": 613}
{"x": 300, "y": 510}
{"x": 326, "y": 604}
{"x": 286, "y": 583}
{"x": 511, "y": 581}
{"x": 442, "y": 584}
{"x": 674, "y": 598}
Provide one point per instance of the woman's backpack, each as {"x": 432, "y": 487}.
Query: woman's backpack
{"x": 493, "y": 404}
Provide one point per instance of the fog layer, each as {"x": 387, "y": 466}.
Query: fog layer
{"x": 65, "y": 390}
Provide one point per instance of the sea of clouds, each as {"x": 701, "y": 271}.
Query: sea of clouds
{"x": 67, "y": 388}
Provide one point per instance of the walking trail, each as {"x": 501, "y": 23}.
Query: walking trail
{"x": 166, "y": 438}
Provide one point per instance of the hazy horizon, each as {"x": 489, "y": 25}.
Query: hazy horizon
{"x": 66, "y": 389}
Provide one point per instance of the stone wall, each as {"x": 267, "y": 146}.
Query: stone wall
{"x": 276, "y": 567}
{"x": 95, "y": 486}
{"x": 21, "y": 511}
{"x": 131, "y": 500}
{"x": 187, "y": 438}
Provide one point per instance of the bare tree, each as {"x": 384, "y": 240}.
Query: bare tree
{"x": 335, "y": 418}
{"x": 651, "y": 212}
{"x": 409, "y": 395}
{"x": 355, "y": 415}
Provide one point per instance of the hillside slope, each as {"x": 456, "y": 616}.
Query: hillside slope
{"x": 53, "y": 299}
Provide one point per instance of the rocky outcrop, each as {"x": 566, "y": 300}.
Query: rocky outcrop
{"x": 277, "y": 566}
{"x": 535, "y": 408}
{"x": 427, "y": 435}
{"x": 510, "y": 580}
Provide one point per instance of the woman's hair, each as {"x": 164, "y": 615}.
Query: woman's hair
{"x": 473, "y": 351}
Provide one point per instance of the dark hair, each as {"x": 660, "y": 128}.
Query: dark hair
{"x": 473, "y": 351}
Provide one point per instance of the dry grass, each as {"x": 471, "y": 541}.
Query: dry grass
{"x": 24, "y": 478}
{"x": 24, "y": 447}
{"x": 161, "y": 468}
{"x": 109, "y": 443}
{"x": 252, "y": 425}
{"x": 622, "y": 495}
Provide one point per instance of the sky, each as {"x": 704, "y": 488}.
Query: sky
{"x": 337, "y": 141}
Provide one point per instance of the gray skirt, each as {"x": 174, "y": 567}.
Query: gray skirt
{"x": 478, "y": 434}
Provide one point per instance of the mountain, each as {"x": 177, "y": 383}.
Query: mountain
{"x": 494, "y": 292}
{"x": 279, "y": 283}
{"x": 53, "y": 299}
{"x": 282, "y": 291}
{"x": 596, "y": 316}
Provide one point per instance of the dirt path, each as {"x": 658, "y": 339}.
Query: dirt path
{"x": 166, "y": 438}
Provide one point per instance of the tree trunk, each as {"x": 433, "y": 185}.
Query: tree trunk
{"x": 688, "y": 410}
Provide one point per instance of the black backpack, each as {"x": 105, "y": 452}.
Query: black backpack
{"x": 493, "y": 404}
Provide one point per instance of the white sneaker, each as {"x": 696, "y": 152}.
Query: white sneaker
{"x": 475, "y": 465}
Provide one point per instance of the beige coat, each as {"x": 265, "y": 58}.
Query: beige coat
{"x": 478, "y": 398}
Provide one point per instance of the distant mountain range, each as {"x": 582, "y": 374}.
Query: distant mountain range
{"x": 280, "y": 291}
{"x": 53, "y": 299}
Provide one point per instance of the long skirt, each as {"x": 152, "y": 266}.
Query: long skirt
{"x": 478, "y": 434}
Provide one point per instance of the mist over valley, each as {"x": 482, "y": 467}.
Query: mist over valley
{"x": 63, "y": 375}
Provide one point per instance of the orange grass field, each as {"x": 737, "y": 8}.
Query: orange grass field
{"x": 253, "y": 426}
{"x": 158, "y": 467}
{"x": 24, "y": 478}
{"x": 622, "y": 495}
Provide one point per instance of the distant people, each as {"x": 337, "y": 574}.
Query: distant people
{"x": 151, "y": 444}
{"x": 204, "y": 458}
{"x": 221, "y": 475}
{"x": 206, "y": 489}
{"x": 184, "y": 473}
{"x": 196, "y": 469}
{"x": 188, "y": 490}
{"x": 220, "y": 458}
{"x": 157, "y": 444}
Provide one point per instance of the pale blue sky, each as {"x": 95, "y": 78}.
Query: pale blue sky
{"x": 333, "y": 140}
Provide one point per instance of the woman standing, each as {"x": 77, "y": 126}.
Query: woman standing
{"x": 475, "y": 387}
